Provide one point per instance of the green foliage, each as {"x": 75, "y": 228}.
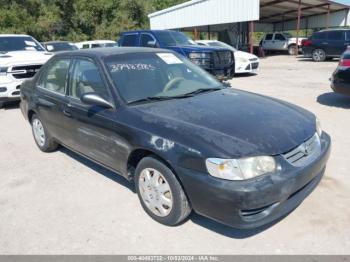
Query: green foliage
{"x": 77, "y": 20}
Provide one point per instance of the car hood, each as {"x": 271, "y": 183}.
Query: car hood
{"x": 24, "y": 57}
{"x": 231, "y": 123}
{"x": 245, "y": 55}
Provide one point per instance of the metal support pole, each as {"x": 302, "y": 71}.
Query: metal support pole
{"x": 328, "y": 15}
{"x": 208, "y": 32}
{"x": 251, "y": 37}
{"x": 298, "y": 27}
{"x": 282, "y": 22}
{"x": 195, "y": 32}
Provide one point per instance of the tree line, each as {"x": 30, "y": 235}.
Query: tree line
{"x": 77, "y": 20}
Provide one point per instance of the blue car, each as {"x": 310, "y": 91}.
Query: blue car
{"x": 218, "y": 61}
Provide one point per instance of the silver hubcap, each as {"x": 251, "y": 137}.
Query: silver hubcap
{"x": 318, "y": 55}
{"x": 39, "y": 133}
{"x": 155, "y": 192}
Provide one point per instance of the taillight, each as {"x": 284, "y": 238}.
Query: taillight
{"x": 306, "y": 42}
{"x": 344, "y": 63}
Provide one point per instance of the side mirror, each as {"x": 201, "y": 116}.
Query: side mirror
{"x": 151, "y": 43}
{"x": 95, "y": 100}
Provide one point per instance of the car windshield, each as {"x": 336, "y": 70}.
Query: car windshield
{"x": 19, "y": 43}
{"x": 173, "y": 38}
{"x": 57, "y": 47}
{"x": 221, "y": 44}
{"x": 143, "y": 77}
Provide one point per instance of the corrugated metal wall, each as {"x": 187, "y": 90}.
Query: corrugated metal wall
{"x": 205, "y": 12}
{"x": 336, "y": 19}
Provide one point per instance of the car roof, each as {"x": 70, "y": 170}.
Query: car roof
{"x": 110, "y": 51}
{"x": 96, "y": 42}
{"x": 147, "y": 31}
{"x": 55, "y": 42}
{"x": 333, "y": 29}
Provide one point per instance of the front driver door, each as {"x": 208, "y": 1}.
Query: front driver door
{"x": 93, "y": 130}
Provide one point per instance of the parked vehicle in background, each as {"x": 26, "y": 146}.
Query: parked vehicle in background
{"x": 326, "y": 44}
{"x": 218, "y": 61}
{"x": 21, "y": 56}
{"x": 59, "y": 46}
{"x": 281, "y": 42}
{"x": 244, "y": 62}
{"x": 96, "y": 44}
{"x": 340, "y": 81}
{"x": 185, "y": 140}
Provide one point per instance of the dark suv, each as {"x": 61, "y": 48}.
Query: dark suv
{"x": 326, "y": 44}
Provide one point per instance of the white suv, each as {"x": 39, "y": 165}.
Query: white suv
{"x": 281, "y": 42}
{"x": 21, "y": 56}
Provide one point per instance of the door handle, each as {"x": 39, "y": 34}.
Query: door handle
{"x": 67, "y": 113}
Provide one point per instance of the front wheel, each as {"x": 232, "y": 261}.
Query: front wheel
{"x": 41, "y": 136}
{"x": 160, "y": 193}
{"x": 319, "y": 55}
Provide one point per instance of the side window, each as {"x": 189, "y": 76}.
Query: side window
{"x": 129, "y": 40}
{"x": 86, "y": 78}
{"x": 336, "y": 35}
{"x": 319, "y": 36}
{"x": 54, "y": 78}
{"x": 268, "y": 37}
{"x": 86, "y": 46}
{"x": 96, "y": 45}
{"x": 280, "y": 37}
{"x": 147, "y": 40}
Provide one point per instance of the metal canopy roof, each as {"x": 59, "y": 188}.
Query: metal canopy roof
{"x": 275, "y": 11}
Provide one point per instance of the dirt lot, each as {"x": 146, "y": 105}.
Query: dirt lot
{"x": 59, "y": 203}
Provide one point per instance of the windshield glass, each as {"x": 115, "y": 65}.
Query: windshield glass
{"x": 173, "y": 38}
{"x": 19, "y": 43}
{"x": 163, "y": 75}
{"x": 221, "y": 44}
{"x": 56, "y": 47}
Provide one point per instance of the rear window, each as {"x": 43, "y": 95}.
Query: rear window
{"x": 129, "y": 40}
{"x": 336, "y": 35}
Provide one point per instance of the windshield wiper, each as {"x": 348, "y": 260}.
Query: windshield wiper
{"x": 155, "y": 98}
{"x": 203, "y": 90}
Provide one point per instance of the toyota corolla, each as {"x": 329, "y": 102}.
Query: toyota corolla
{"x": 187, "y": 142}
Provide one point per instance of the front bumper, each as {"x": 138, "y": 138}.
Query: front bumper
{"x": 339, "y": 85}
{"x": 10, "y": 89}
{"x": 254, "y": 203}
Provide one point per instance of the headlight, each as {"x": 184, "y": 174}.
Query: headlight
{"x": 241, "y": 60}
{"x": 199, "y": 55}
{"x": 318, "y": 127}
{"x": 241, "y": 169}
{"x": 3, "y": 71}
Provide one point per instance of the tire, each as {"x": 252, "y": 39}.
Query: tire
{"x": 292, "y": 50}
{"x": 163, "y": 198}
{"x": 329, "y": 58}
{"x": 2, "y": 104}
{"x": 41, "y": 136}
{"x": 319, "y": 55}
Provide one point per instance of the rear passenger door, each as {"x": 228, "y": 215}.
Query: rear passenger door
{"x": 92, "y": 128}
{"x": 51, "y": 97}
{"x": 336, "y": 42}
{"x": 267, "y": 43}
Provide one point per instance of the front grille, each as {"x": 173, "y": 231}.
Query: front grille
{"x": 255, "y": 65}
{"x": 305, "y": 153}
{"x": 223, "y": 59}
{"x": 20, "y": 72}
{"x": 253, "y": 59}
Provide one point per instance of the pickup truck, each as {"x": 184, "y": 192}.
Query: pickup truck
{"x": 281, "y": 42}
{"x": 218, "y": 61}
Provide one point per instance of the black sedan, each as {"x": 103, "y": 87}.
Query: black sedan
{"x": 186, "y": 141}
{"x": 341, "y": 77}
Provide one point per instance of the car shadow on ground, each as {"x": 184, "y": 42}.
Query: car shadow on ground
{"x": 334, "y": 100}
{"x": 245, "y": 75}
{"x": 99, "y": 169}
{"x": 11, "y": 105}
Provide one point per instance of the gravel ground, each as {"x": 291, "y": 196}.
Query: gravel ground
{"x": 59, "y": 203}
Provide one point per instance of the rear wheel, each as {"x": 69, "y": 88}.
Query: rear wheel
{"x": 319, "y": 55}
{"x": 41, "y": 136}
{"x": 160, "y": 193}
